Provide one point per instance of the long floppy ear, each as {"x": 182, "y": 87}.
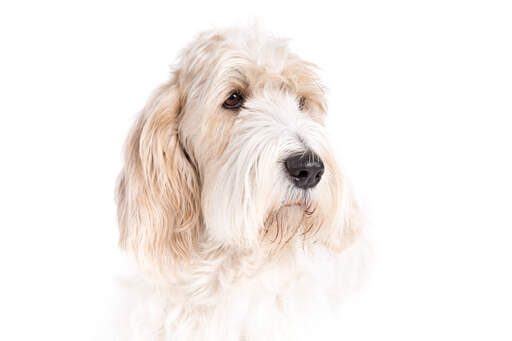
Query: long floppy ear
{"x": 352, "y": 225}
{"x": 346, "y": 226}
{"x": 158, "y": 189}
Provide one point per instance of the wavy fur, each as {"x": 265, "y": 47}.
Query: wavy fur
{"x": 227, "y": 247}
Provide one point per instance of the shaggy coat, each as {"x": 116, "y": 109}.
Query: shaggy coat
{"x": 227, "y": 247}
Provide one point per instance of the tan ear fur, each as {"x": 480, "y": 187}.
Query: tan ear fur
{"x": 352, "y": 228}
{"x": 347, "y": 226}
{"x": 158, "y": 189}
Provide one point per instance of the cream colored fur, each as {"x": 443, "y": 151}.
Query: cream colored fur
{"x": 225, "y": 246}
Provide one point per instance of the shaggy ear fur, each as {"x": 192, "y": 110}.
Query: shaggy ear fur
{"x": 158, "y": 188}
{"x": 347, "y": 222}
{"x": 352, "y": 227}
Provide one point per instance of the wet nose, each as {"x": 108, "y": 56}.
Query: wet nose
{"x": 305, "y": 169}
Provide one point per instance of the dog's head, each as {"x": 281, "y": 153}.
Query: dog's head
{"x": 232, "y": 152}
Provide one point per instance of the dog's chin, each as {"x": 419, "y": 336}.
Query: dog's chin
{"x": 290, "y": 221}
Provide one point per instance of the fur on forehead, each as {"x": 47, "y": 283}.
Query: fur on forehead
{"x": 247, "y": 60}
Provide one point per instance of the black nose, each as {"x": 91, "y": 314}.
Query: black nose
{"x": 305, "y": 169}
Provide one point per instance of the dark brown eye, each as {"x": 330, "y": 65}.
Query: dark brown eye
{"x": 302, "y": 102}
{"x": 234, "y": 101}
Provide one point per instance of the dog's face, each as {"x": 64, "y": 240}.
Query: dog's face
{"x": 233, "y": 153}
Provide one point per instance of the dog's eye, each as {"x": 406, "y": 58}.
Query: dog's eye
{"x": 302, "y": 102}
{"x": 234, "y": 101}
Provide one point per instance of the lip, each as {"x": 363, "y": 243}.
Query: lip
{"x": 291, "y": 204}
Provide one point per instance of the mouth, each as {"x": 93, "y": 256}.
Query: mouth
{"x": 306, "y": 206}
{"x": 297, "y": 197}
{"x": 290, "y": 204}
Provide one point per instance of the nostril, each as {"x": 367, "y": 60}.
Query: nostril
{"x": 303, "y": 174}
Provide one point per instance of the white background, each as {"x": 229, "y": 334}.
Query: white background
{"x": 420, "y": 112}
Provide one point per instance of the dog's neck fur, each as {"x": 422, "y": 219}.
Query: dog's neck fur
{"x": 301, "y": 281}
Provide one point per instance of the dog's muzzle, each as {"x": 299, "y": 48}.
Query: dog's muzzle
{"x": 305, "y": 169}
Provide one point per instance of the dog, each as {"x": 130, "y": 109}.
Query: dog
{"x": 231, "y": 202}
